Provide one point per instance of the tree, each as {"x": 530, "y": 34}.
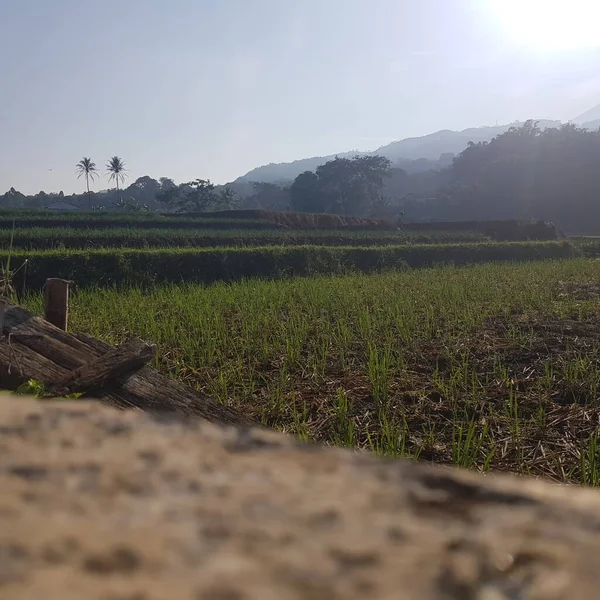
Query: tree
{"x": 120, "y": 204}
{"x": 116, "y": 168}
{"x": 352, "y": 185}
{"x": 143, "y": 191}
{"x": 530, "y": 173}
{"x": 14, "y": 198}
{"x": 199, "y": 195}
{"x": 86, "y": 168}
{"x": 166, "y": 183}
{"x": 269, "y": 196}
{"x": 341, "y": 186}
{"x": 227, "y": 198}
{"x": 195, "y": 196}
{"x": 306, "y": 195}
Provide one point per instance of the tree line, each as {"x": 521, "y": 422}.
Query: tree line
{"x": 526, "y": 173}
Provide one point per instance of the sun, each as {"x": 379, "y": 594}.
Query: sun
{"x": 549, "y": 25}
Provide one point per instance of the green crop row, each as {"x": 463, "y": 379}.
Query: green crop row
{"x": 589, "y": 246}
{"x": 63, "y": 237}
{"x": 95, "y": 220}
{"x": 147, "y": 267}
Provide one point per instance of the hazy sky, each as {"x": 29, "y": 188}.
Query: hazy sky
{"x": 213, "y": 88}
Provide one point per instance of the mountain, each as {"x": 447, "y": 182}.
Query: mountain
{"x": 592, "y": 125}
{"x": 432, "y": 146}
{"x": 591, "y": 115}
{"x": 417, "y": 154}
{"x": 278, "y": 172}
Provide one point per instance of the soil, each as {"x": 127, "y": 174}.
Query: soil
{"x": 101, "y": 504}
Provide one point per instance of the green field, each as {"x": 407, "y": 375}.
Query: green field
{"x": 490, "y": 366}
{"x": 141, "y": 220}
{"x": 589, "y": 246}
{"x": 48, "y": 238}
{"x": 440, "y": 346}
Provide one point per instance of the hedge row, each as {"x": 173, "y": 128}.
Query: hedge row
{"x": 62, "y": 237}
{"x": 112, "y": 219}
{"x": 501, "y": 231}
{"x": 147, "y": 267}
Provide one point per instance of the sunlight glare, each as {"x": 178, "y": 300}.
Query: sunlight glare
{"x": 549, "y": 25}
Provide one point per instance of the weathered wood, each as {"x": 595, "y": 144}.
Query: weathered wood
{"x": 46, "y": 345}
{"x": 114, "y": 364}
{"x": 2, "y": 311}
{"x": 18, "y": 364}
{"x": 56, "y": 302}
{"x": 151, "y": 390}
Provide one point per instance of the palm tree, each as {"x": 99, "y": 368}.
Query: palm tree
{"x": 85, "y": 167}
{"x": 116, "y": 168}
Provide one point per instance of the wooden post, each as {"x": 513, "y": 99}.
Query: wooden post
{"x": 2, "y": 311}
{"x": 56, "y": 298}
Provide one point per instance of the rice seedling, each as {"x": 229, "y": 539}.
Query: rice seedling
{"x": 490, "y": 366}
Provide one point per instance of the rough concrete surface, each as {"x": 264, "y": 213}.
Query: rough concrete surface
{"x": 108, "y": 505}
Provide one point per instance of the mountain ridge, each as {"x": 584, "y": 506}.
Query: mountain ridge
{"x": 588, "y": 116}
{"x": 414, "y": 154}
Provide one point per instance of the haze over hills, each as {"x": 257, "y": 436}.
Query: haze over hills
{"x": 588, "y": 118}
{"x": 416, "y": 154}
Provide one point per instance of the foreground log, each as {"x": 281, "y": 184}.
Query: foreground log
{"x": 32, "y": 348}
{"x": 112, "y": 366}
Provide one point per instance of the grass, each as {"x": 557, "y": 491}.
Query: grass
{"x": 491, "y": 367}
{"x": 42, "y": 238}
{"x": 589, "y": 246}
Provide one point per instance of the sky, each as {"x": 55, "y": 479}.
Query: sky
{"x": 213, "y": 88}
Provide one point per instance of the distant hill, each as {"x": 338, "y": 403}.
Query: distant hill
{"x": 587, "y": 117}
{"x": 432, "y": 146}
{"x": 279, "y": 172}
{"x": 416, "y": 154}
{"x": 592, "y": 125}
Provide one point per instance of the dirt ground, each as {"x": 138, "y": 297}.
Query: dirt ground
{"x": 108, "y": 505}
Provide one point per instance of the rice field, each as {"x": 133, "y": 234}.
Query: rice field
{"x": 370, "y": 339}
{"x": 77, "y": 237}
{"x": 490, "y": 367}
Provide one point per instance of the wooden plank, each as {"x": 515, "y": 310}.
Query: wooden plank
{"x": 113, "y": 365}
{"x": 45, "y": 338}
{"x": 147, "y": 389}
{"x": 18, "y": 364}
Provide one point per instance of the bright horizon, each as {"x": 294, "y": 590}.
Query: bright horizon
{"x": 212, "y": 89}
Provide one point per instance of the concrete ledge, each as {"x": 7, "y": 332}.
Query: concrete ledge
{"x": 102, "y": 504}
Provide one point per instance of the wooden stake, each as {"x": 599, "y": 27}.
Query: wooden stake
{"x": 56, "y": 297}
{"x": 2, "y": 311}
